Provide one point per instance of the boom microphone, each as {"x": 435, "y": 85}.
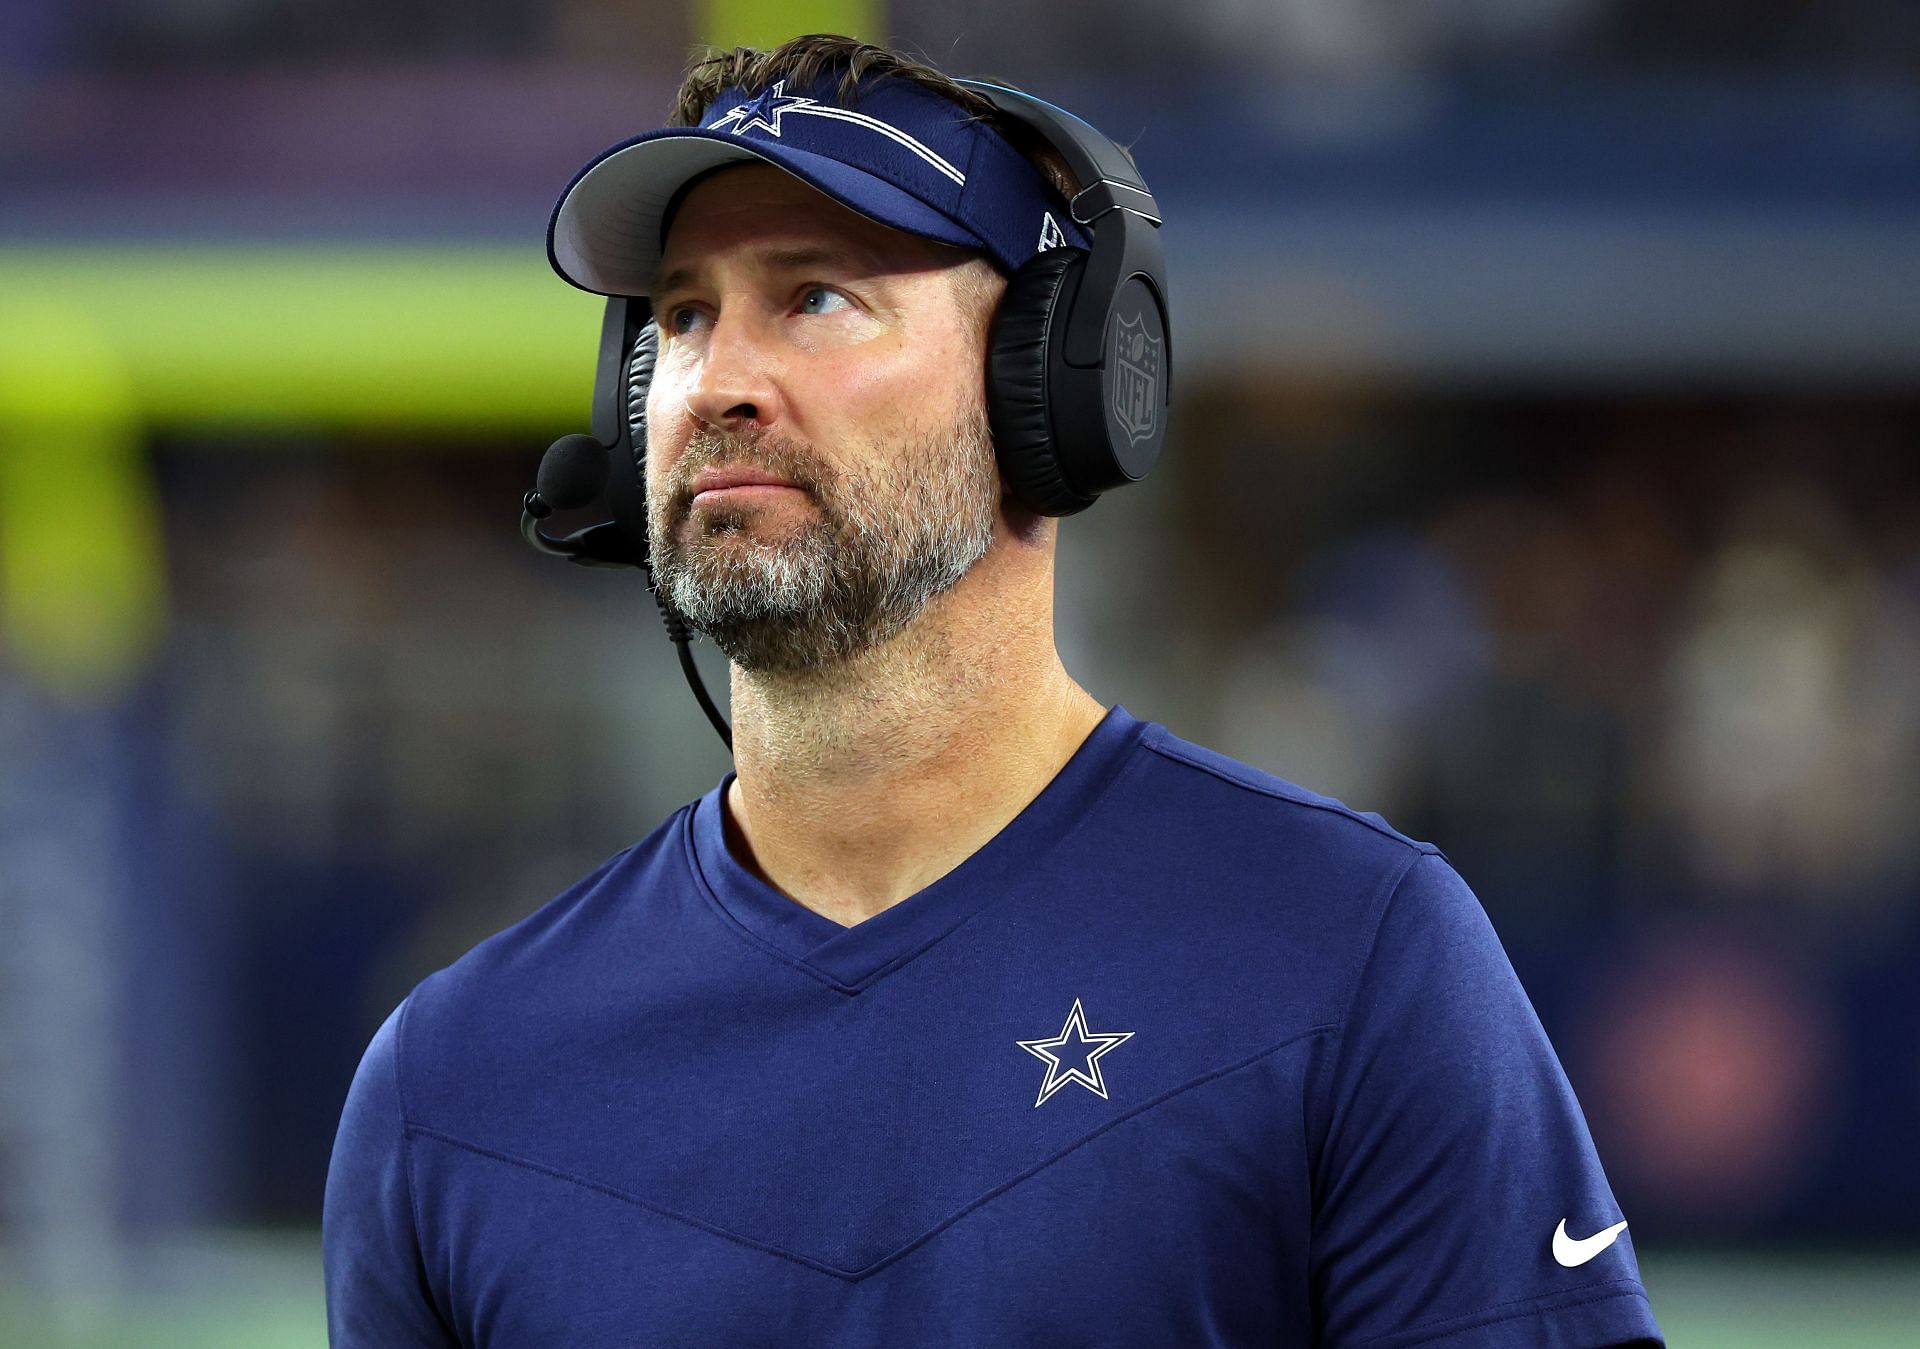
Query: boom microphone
{"x": 573, "y": 472}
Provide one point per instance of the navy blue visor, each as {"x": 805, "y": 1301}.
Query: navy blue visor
{"x": 901, "y": 155}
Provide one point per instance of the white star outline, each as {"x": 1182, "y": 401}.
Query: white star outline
{"x": 748, "y": 116}
{"x": 745, "y": 117}
{"x": 1057, "y": 1074}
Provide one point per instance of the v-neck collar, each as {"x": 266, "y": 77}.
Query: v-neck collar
{"x": 851, "y": 957}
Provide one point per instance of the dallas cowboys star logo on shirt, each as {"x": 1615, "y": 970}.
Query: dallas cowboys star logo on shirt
{"x": 1074, "y": 1055}
{"x": 763, "y": 110}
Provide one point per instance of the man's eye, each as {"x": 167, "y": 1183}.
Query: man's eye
{"x": 822, "y": 300}
{"x": 682, "y": 319}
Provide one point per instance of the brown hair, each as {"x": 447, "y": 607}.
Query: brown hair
{"x": 809, "y": 59}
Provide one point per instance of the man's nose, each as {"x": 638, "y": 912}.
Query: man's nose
{"x": 736, "y": 389}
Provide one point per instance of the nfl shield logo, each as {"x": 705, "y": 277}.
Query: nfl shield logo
{"x": 1136, "y": 378}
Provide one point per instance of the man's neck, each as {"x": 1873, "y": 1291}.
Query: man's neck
{"x": 863, "y": 784}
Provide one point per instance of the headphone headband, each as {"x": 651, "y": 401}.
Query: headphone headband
{"x": 1092, "y": 155}
{"x": 1112, "y": 201}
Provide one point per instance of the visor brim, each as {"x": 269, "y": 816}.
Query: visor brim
{"x": 608, "y": 228}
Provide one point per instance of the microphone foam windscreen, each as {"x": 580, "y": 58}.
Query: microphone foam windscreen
{"x": 573, "y": 472}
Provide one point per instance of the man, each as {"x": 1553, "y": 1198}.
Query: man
{"x": 965, "y": 1011}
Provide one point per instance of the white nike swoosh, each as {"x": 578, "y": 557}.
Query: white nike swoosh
{"x": 1573, "y": 1254}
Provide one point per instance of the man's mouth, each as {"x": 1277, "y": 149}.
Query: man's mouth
{"x": 738, "y": 483}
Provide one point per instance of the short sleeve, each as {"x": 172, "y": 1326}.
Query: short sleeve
{"x": 377, "y": 1292}
{"x": 1450, "y": 1150}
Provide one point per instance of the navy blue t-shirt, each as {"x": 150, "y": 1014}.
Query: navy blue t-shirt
{"x": 1183, "y": 1056}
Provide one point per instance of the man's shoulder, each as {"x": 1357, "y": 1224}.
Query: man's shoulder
{"x": 1236, "y": 878}
{"x": 508, "y": 984}
{"x": 1236, "y": 797}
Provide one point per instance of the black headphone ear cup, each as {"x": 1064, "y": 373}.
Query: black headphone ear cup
{"x": 1019, "y": 402}
{"x": 646, "y": 350}
{"x": 627, "y": 489}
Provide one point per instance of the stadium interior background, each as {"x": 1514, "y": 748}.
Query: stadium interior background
{"x": 1544, "y": 474}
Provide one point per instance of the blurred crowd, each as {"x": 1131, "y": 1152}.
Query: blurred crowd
{"x": 1679, "y": 637}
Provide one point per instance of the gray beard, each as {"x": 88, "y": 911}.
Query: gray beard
{"x": 883, "y": 545}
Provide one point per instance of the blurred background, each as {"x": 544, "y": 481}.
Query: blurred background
{"x": 1545, "y": 475}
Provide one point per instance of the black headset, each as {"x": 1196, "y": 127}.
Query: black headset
{"x": 1077, "y": 373}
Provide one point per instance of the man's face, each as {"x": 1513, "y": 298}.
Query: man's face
{"x": 818, "y": 460}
